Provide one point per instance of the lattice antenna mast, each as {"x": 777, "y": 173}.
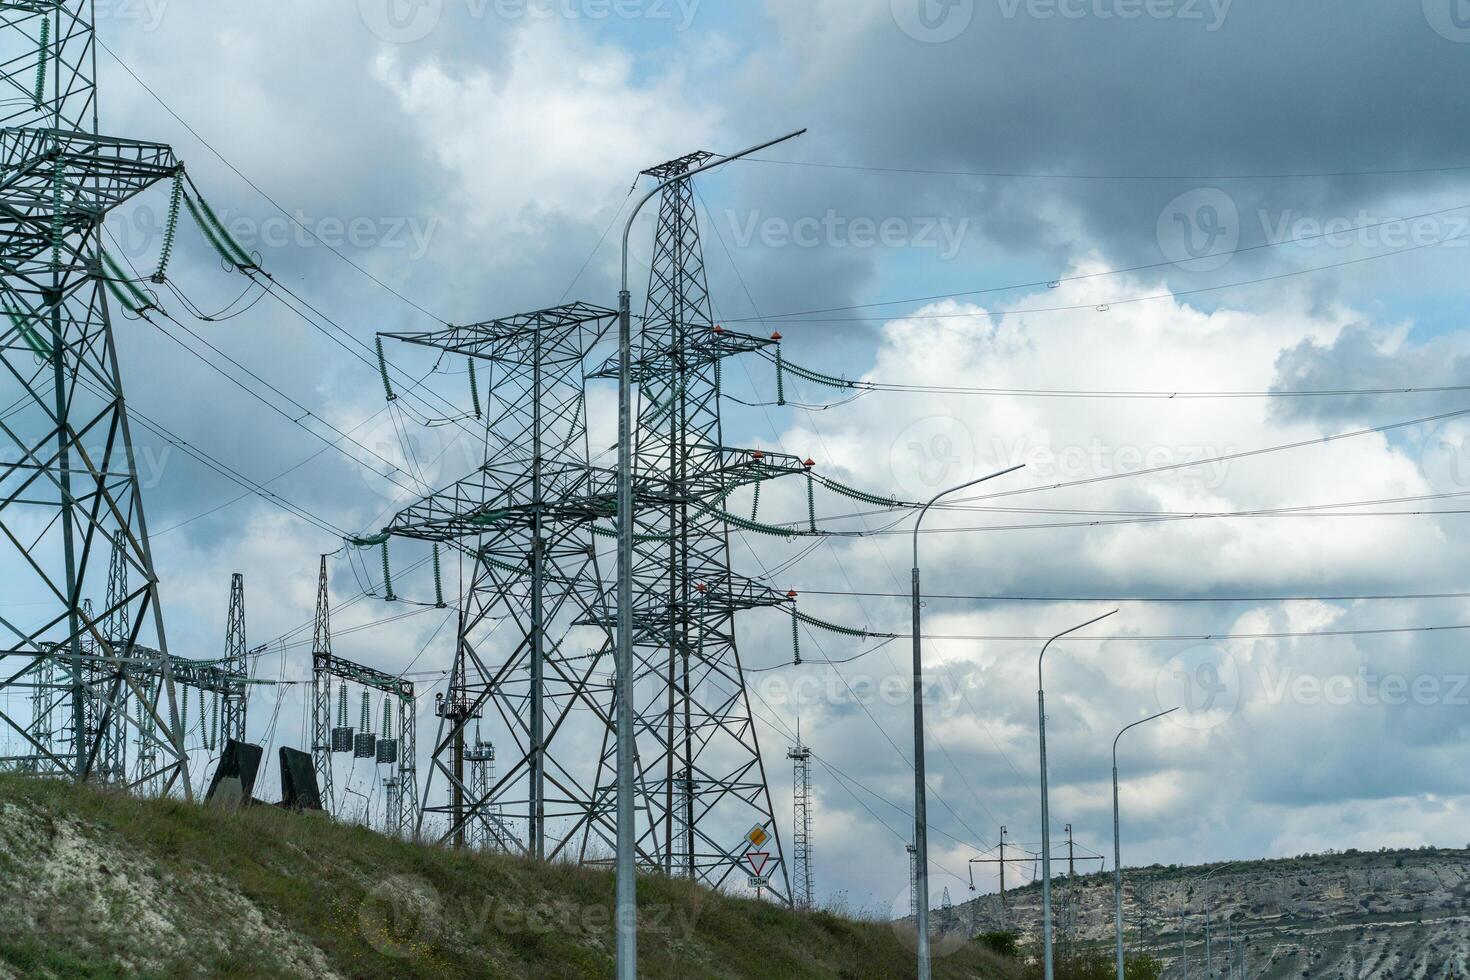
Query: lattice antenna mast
{"x": 321, "y": 689}
{"x": 233, "y": 704}
{"x": 71, "y": 465}
{"x": 802, "y": 879}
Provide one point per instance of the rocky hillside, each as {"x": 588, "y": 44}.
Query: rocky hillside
{"x": 99, "y": 885}
{"x": 1383, "y": 915}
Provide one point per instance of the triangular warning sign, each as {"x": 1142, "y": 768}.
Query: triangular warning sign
{"x": 757, "y": 860}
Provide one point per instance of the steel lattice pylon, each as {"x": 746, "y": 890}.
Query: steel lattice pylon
{"x": 233, "y": 704}
{"x": 70, "y": 486}
{"x": 525, "y": 523}
{"x": 528, "y": 522}
{"x": 802, "y": 884}
{"x": 699, "y": 759}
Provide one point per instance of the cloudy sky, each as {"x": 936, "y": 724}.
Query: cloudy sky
{"x": 1022, "y": 196}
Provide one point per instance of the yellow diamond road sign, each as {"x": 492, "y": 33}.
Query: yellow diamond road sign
{"x": 757, "y": 836}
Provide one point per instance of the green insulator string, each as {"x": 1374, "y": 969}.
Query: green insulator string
{"x": 209, "y": 234}
{"x": 822, "y": 624}
{"x": 387, "y": 576}
{"x": 369, "y": 542}
{"x": 811, "y": 501}
{"x": 342, "y": 706}
{"x": 807, "y": 374}
{"x": 241, "y": 257}
{"x": 383, "y": 370}
{"x": 58, "y": 215}
{"x": 475, "y": 389}
{"x": 717, "y": 376}
{"x": 171, "y": 227}
{"x": 211, "y": 734}
{"x": 387, "y": 717}
{"x": 780, "y": 378}
{"x": 438, "y": 580}
{"x": 184, "y": 712}
{"x": 747, "y": 525}
{"x": 860, "y": 495}
{"x": 755, "y": 506}
{"x": 367, "y": 722}
{"x": 795, "y": 636}
{"x": 217, "y": 235}
{"x": 43, "y": 56}
{"x": 123, "y": 289}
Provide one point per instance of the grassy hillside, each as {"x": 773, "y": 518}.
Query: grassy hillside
{"x": 101, "y": 885}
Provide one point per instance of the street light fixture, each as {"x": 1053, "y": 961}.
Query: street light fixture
{"x": 1045, "y": 807}
{"x": 921, "y": 824}
{"x": 1117, "y": 841}
{"x": 627, "y": 907}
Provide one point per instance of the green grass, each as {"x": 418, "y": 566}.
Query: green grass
{"x": 376, "y": 907}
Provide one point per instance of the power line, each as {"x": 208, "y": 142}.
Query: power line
{"x": 1103, "y": 274}
{"x": 1145, "y": 599}
{"x": 1039, "y": 175}
{"x": 1105, "y": 306}
{"x": 255, "y": 187}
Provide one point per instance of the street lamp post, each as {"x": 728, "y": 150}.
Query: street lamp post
{"x": 627, "y": 907}
{"x": 921, "y": 824}
{"x": 1117, "y": 842}
{"x": 1046, "y": 950}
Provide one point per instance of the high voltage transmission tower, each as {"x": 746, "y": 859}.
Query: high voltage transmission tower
{"x": 232, "y": 706}
{"x": 535, "y": 637}
{"x": 699, "y": 759}
{"x": 70, "y": 485}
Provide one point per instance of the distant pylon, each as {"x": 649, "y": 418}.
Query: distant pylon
{"x": 233, "y": 705}
{"x": 321, "y": 689}
{"x": 801, "y": 820}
